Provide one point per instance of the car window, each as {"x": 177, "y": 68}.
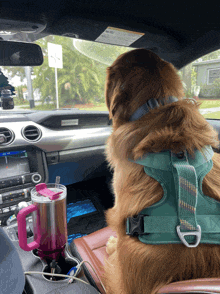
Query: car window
{"x": 201, "y": 81}
{"x": 79, "y": 77}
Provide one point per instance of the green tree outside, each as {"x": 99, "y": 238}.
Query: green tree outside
{"x": 74, "y": 79}
{"x": 82, "y": 78}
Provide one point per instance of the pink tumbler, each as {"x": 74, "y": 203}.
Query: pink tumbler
{"x": 48, "y": 210}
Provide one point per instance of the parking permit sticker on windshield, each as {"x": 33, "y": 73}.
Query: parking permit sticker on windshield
{"x": 120, "y": 37}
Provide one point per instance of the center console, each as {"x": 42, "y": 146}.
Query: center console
{"x": 20, "y": 171}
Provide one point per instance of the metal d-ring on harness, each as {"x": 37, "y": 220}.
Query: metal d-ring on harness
{"x": 173, "y": 220}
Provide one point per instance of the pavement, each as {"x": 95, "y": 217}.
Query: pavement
{"x": 19, "y": 107}
{"x": 209, "y": 110}
{"x": 202, "y": 111}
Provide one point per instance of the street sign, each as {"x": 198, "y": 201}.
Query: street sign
{"x": 55, "y": 57}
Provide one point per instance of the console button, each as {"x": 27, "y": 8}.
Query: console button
{"x": 3, "y": 184}
{"x": 36, "y": 178}
{"x": 10, "y": 196}
{"x": 18, "y": 181}
{"x": 21, "y": 194}
{"x": 5, "y": 209}
{"x": 23, "y": 179}
{"x": 27, "y": 178}
{"x": 5, "y": 197}
{"x": 11, "y": 182}
{"x": 13, "y": 207}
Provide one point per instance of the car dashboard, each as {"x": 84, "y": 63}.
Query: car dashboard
{"x": 43, "y": 145}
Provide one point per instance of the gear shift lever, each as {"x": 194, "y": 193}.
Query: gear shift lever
{"x": 13, "y": 216}
{"x": 20, "y": 206}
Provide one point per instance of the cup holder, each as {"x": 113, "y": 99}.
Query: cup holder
{"x": 64, "y": 265}
{"x": 35, "y": 253}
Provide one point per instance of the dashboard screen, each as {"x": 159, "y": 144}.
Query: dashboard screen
{"x": 13, "y": 163}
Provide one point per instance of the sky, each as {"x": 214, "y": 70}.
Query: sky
{"x": 15, "y": 81}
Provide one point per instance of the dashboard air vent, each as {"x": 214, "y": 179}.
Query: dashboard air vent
{"x": 31, "y": 133}
{"x": 9, "y": 135}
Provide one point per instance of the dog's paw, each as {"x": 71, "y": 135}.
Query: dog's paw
{"x": 111, "y": 245}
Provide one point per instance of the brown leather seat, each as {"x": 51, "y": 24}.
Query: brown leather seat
{"x": 93, "y": 249}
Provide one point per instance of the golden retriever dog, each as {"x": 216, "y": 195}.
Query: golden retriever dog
{"x": 133, "y": 267}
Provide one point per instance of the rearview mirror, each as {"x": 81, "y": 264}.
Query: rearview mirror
{"x": 20, "y": 54}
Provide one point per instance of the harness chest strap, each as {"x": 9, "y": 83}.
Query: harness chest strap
{"x": 186, "y": 188}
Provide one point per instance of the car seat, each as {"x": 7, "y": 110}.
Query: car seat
{"x": 12, "y": 279}
{"x": 93, "y": 249}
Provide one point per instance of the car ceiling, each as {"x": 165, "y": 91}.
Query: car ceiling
{"x": 177, "y": 31}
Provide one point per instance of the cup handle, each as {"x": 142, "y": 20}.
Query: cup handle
{"x": 22, "y": 231}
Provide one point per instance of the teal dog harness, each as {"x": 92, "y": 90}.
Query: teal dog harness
{"x": 184, "y": 214}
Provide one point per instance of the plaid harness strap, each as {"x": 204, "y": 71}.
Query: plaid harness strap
{"x": 187, "y": 199}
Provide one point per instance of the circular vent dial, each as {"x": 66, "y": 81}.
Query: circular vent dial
{"x": 31, "y": 133}
{"x": 9, "y": 135}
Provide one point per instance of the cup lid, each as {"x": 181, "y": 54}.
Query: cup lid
{"x": 48, "y": 193}
{"x": 44, "y": 191}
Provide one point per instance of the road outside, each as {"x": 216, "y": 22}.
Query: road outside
{"x": 209, "y": 110}
{"x": 202, "y": 111}
{"x": 19, "y": 107}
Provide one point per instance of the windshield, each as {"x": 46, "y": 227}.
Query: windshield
{"x": 73, "y": 76}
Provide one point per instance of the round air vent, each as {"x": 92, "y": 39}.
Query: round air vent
{"x": 31, "y": 133}
{"x": 9, "y": 135}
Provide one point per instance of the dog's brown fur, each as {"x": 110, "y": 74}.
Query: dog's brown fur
{"x": 134, "y": 267}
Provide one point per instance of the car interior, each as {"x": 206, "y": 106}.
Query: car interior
{"x": 62, "y": 148}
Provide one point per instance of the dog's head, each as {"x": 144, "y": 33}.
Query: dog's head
{"x": 134, "y": 78}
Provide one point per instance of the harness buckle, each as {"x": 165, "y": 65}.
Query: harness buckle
{"x": 193, "y": 233}
{"x": 135, "y": 225}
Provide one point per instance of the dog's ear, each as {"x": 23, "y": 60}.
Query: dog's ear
{"x": 119, "y": 105}
{"x": 116, "y": 97}
{"x": 108, "y": 87}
